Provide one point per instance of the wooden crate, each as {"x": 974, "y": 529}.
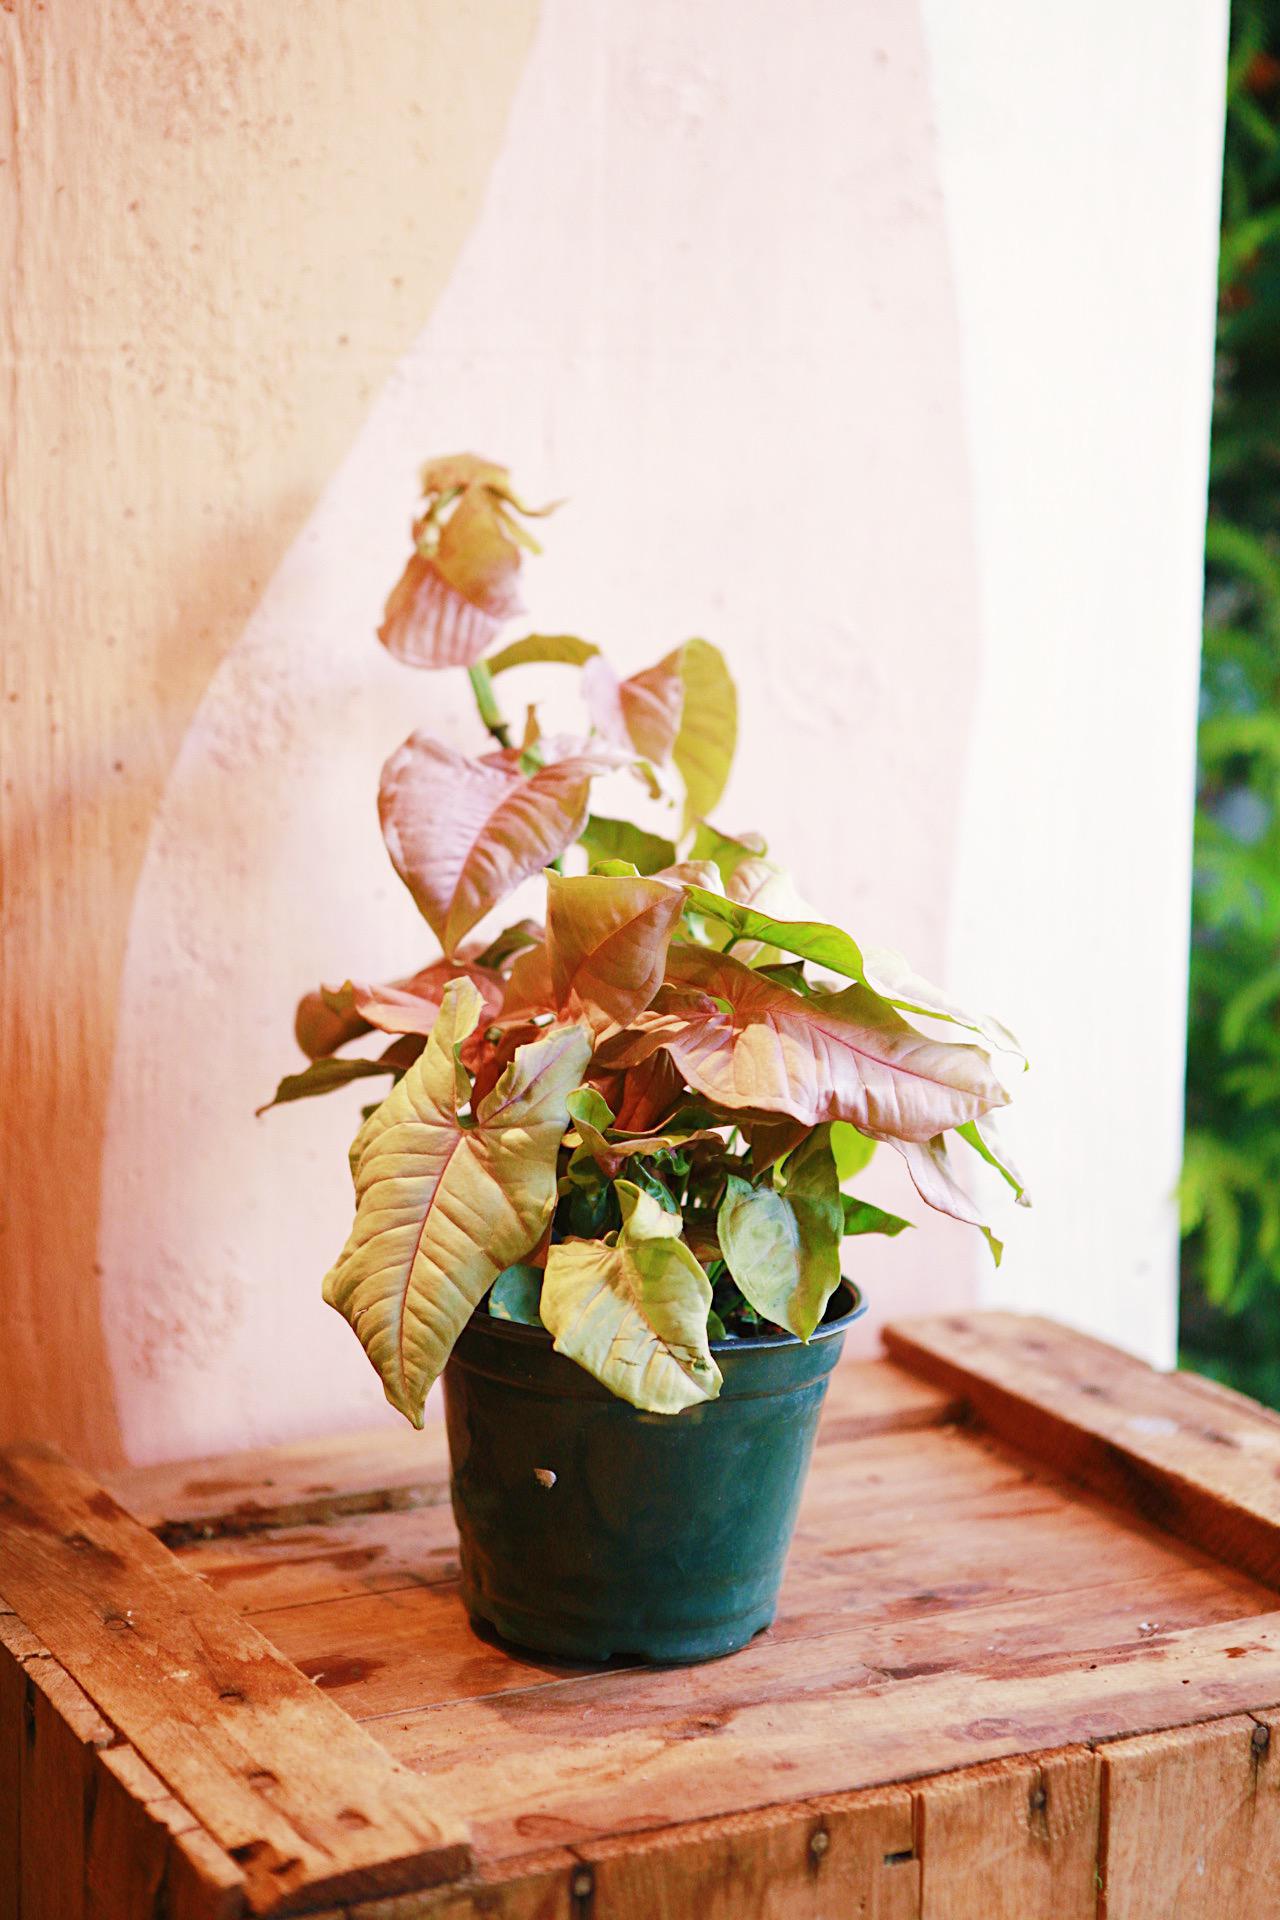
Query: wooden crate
{"x": 1027, "y": 1664}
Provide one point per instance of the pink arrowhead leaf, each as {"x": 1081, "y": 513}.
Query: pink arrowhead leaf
{"x": 463, "y": 833}
{"x": 607, "y": 937}
{"x": 427, "y": 623}
{"x": 748, "y": 1044}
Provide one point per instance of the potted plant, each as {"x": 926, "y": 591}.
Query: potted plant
{"x": 606, "y": 1193}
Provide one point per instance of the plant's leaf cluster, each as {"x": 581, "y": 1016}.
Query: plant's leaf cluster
{"x": 632, "y": 1125}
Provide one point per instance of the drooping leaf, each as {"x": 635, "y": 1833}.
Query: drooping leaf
{"x": 893, "y": 977}
{"x": 515, "y": 1294}
{"x": 983, "y": 1135}
{"x": 783, "y": 1249}
{"x": 606, "y": 839}
{"x": 445, "y": 1203}
{"x": 463, "y": 833}
{"x": 330, "y": 1017}
{"x": 322, "y": 1076}
{"x": 607, "y": 938}
{"x": 477, "y": 556}
{"x": 860, "y": 1216}
{"x": 934, "y": 1178}
{"x": 643, "y": 711}
{"x": 426, "y": 623}
{"x": 748, "y": 1045}
{"x": 727, "y": 850}
{"x": 813, "y": 940}
{"x": 542, "y": 648}
{"x": 708, "y": 734}
{"x": 635, "y": 1314}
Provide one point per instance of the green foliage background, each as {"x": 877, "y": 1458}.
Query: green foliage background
{"x": 1231, "y": 1176}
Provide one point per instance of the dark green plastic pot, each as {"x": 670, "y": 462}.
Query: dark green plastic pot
{"x": 591, "y": 1530}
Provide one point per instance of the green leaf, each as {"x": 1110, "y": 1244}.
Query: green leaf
{"x": 445, "y": 1198}
{"x": 322, "y": 1076}
{"x": 725, "y": 850}
{"x": 861, "y": 1217}
{"x": 542, "y": 648}
{"x": 618, "y": 840}
{"x": 635, "y": 1314}
{"x": 813, "y": 940}
{"x": 783, "y": 1249}
{"x": 852, "y": 1150}
{"x": 708, "y": 734}
{"x": 515, "y": 1295}
{"x": 983, "y": 1135}
{"x": 715, "y": 1326}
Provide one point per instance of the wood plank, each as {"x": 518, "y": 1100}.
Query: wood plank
{"x": 1191, "y": 1823}
{"x": 13, "y": 1691}
{"x": 144, "y": 1850}
{"x": 840, "y": 1855}
{"x": 536, "y": 1887}
{"x": 1204, "y": 1467}
{"x": 630, "y": 1752}
{"x": 277, "y": 1775}
{"x": 63, "y": 1736}
{"x": 306, "y": 1483}
{"x": 1017, "y": 1837}
{"x": 311, "y": 1482}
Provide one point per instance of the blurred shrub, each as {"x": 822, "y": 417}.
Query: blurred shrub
{"x": 1231, "y": 1177}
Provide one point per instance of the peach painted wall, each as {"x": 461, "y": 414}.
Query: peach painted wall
{"x": 694, "y": 267}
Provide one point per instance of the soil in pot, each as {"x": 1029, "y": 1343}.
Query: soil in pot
{"x": 594, "y": 1531}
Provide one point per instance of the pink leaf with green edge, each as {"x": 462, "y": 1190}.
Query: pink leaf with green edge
{"x": 331, "y": 1016}
{"x": 463, "y": 833}
{"x": 607, "y": 938}
{"x": 443, "y": 1205}
{"x": 747, "y": 1044}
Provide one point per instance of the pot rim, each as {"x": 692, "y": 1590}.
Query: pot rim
{"x": 538, "y": 1336}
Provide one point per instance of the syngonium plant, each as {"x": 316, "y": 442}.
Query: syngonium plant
{"x": 635, "y": 1123}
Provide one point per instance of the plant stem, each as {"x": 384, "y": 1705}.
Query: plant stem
{"x": 486, "y": 703}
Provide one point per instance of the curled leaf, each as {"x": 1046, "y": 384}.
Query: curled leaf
{"x": 635, "y": 1314}
{"x": 643, "y": 711}
{"x": 444, "y": 1203}
{"x": 462, "y": 833}
{"x": 542, "y": 648}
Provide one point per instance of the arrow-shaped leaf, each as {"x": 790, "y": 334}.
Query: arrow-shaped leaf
{"x": 634, "y": 1314}
{"x": 463, "y": 833}
{"x": 608, "y": 937}
{"x": 444, "y": 1202}
{"x": 783, "y": 1249}
{"x": 746, "y": 1044}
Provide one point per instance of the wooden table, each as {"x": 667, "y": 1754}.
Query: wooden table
{"x": 1027, "y": 1663}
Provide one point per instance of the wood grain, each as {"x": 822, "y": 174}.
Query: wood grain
{"x": 629, "y": 1751}
{"x": 277, "y": 1775}
{"x": 63, "y": 1736}
{"x": 12, "y": 1702}
{"x": 852, "y": 1856}
{"x": 1203, "y": 1466}
{"x": 1191, "y": 1823}
{"x": 1018, "y": 1837}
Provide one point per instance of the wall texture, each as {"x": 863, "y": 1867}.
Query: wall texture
{"x": 752, "y": 285}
